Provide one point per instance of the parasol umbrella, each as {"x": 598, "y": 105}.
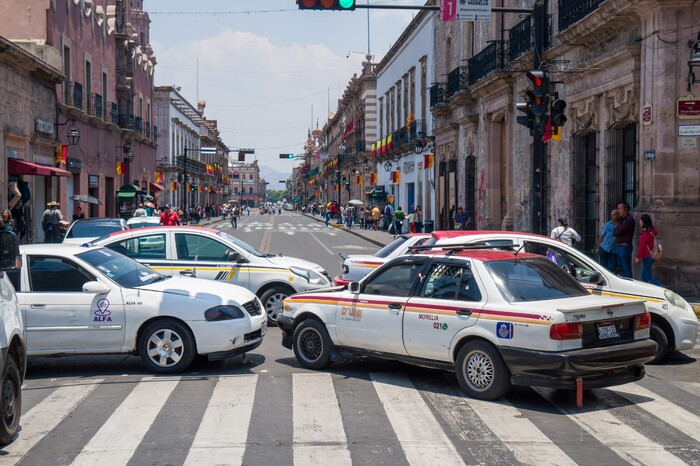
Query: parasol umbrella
{"x": 85, "y": 198}
{"x": 149, "y": 204}
{"x": 356, "y": 202}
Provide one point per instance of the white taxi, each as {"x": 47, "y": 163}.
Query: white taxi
{"x": 674, "y": 325}
{"x": 78, "y": 300}
{"x": 496, "y": 318}
{"x": 217, "y": 255}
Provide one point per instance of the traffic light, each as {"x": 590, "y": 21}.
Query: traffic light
{"x": 538, "y": 99}
{"x": 345, "y": 180}
{"x": 525, "y": 120}
{"x": 241, "y": 156}
{"x": 286, "y": 156}
{"x": 557, "y": 112}
{"x": 329, "y": 5}
{"x": 193, "y": 188}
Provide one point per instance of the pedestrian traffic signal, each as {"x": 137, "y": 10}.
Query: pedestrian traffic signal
{"x": 538, "y": 98}
{"x": 525, "y": 120}
{"x": 286, "y": 156}
{"x": 330, "y": 5}
{"x": 557, "y": 112}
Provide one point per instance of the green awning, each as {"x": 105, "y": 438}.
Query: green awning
{"x": 377, "y": 194}
{"x": 126, "y": 195}
{"x": 129, "y": 191}
{"x": 312, "y": 172}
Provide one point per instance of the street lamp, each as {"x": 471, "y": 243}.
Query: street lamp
{"x": 387, "y": 166}
{"x": 73, "y": 133}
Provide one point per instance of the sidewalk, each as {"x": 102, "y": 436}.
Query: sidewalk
{"x": 378, "y": 238}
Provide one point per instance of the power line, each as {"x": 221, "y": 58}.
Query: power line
{"x": 185, "y": 68}
{"x": 269, "y": 103}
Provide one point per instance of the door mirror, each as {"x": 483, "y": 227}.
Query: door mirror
{"x": 597, "y": 278}
{"x": 235, "y": 256}
{"x": 9, "y": 250}
{"x": 354, "y": 287}
{"x": 96, "y": 288}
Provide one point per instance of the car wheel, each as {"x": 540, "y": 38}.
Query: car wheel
{"x": 312, "y": 345}
{"x": 167, "y": 346}
{"x": 659, "y": 336}
{"x": 481, "y": 371}
{"x": 11, "y": 401}
{"x": 272, "y": 302}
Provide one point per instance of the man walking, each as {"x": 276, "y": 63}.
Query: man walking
{"x": 605, "y": 249}
{"x": 624, "y": 232}
{"x": 51, "y": 223}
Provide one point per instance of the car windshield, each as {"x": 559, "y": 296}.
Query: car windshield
{"x": 532, "y": 279}
{"x": 391, "y": 247}
{"x": 122, "y": 270}
{"x": 92, "y": 229}
{"x": 146, "y": 222}
{"x": 241, "y": 244}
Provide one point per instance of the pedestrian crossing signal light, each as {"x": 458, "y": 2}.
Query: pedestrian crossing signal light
{"x": 329, "y": 5}
{"x": 286, "y": 156}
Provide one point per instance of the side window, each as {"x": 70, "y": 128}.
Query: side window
{"x": 451, "y": 282}
{"x": 14, "y": 276}
{"x": 56, "y": 274}
{"x": 201, "y": 248}
{"x": 393, "y": 281}
{"x": 564, "y": 259}
{"x": 143, "y": 247}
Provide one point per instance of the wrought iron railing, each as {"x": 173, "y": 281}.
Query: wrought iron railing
{"x": 148, "y": 130}
{"x": 90, "y": 104}
{"x": 485, "y": 62}
{"x": 138, "y": 124}
{"x": 438, "y": 94}
{"x": 519, "y": 39}
{"x": 77, "y": 95}
{"x": 155, "y": 133}
{"x": 115, "y": 114}
{"x": 572, "y": 11}
{"x": 99, "y": 111}
{"x": 457, "y": 80}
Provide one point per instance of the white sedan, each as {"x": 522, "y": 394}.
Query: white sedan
{"x": 78, "y": 300}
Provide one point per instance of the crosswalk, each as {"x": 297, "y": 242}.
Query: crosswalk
{"x": 319, "y": 418}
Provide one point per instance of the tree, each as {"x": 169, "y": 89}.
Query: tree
{"x": 274, "y": 195}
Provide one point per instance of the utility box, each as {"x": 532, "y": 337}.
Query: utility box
{"x": 428, "y": 226}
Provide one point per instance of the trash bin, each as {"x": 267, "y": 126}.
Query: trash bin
{"x": 428, "y": 226}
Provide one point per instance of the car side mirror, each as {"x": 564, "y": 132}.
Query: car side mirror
{"x": 96, "y": 287}
{"x": 354, "y": 287}
{"x": 597, "y": 278}
{"x": 235, "y": 256}
{"x": 9, "y": 251}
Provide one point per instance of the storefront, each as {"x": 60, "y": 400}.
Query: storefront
{"x": 129, "y": 197}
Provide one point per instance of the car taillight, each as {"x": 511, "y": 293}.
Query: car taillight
{"x": 567, "y": 331}
{"x": 642, "y": 321}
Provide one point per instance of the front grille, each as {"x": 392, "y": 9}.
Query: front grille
{"x": 624, "y": 326}
{"x": 253, "y": 307}
{"x": 252, "y": 336}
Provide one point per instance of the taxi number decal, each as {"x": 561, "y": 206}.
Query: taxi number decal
{"x": 349, "y": 313}
{"x": 439, "y": 326}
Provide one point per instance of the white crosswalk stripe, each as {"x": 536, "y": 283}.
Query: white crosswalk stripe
{"x": 427, "y": 415}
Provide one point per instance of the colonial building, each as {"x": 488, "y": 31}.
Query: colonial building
{"x": 247, "y": 187}
{"x": 622, "y": 67}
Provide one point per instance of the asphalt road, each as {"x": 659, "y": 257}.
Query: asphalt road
{"x": 266, "y": 409}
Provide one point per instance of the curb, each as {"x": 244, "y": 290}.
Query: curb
{"x": 351, "y": 231}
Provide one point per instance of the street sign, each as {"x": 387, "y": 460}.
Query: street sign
{"x": 247, "y": 151}
{"x": 688, "y": 108}
{"x": 207, "y": 150}
{"x": 466, "y": 10}
{"x": 688, "y": 130}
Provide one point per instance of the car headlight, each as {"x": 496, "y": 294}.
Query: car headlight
{"x": 312, "y": 277}
{"x": 675, "y": 299}
{"x": 222, "y": 312}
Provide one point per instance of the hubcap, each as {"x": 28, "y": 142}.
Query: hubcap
{"x": 310, "y": 345}
{"x": 273, "y": 305}
{"x": 9, "y": 396}
{"x": 480, "y": 371}
{"x": 165, "y": 347}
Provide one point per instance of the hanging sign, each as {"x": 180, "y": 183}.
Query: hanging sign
{"x": 688, "y": 108}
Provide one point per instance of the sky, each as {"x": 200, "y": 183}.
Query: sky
{"x": 267, "y": 71}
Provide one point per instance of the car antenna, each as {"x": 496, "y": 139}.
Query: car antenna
{"x": 519, "y": 249}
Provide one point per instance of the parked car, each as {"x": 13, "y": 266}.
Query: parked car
{"x": 674, "y": 325}
{"x": 13, "y": 353}
{"x": 88, "y": 229}
{"x": 93, "y": 300}
{"x": 496, "y": 318}
{"x": 217, "y": 255}
{"x": 143, "y": 221}
{"x": 356, "y": 266}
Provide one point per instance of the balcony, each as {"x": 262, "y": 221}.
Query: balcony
{"x": 115, "y": 114}
{"x": 99, "y": 110}
{"x": 438, "y": 94}
{"x": 572, "y": 11}
{"x": 482, "y": 64}
{"x": 90, "y": 104}
{"x": 457, "y": 80}
{"x": 78, "y": 95}
{"x": 520, "y": 39}
{"x": 148, "y": 130}
{"x": 138, "y": 124}
{"x": 155, "y": 133}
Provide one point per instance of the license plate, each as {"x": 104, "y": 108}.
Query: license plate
{"x": 263, "y": 328}
{"x": 607, "y": 332}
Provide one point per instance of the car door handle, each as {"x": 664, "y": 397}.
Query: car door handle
{"x": 464, "y": 312}
{"x": 37, "y": 306}
{"x": 187, "y": 273}
{"x": 395, "y": 306}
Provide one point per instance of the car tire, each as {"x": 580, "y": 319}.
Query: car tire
{"x": 167, "y": 346}
{"x": 11, "y": 400}
{"x": 659, "y": 336}
{"x": 272, "y": 302}
{"x": 312, "y": 345}
{"x": 481, "y": 371}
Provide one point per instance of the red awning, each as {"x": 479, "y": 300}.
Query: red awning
{"x": 20, "y": 167}
{"x": 154, "y": 187}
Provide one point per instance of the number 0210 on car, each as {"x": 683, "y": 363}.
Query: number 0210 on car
{"x": 607, "y": 332}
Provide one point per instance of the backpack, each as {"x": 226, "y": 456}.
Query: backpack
{"x": 657, "y": 250}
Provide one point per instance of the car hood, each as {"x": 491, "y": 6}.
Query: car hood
{"x": 362, "y": 258}
{"x": 286, "y": 261}
{"x": 200, "y": 288}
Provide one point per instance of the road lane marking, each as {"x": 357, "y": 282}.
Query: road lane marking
{"x": 322, "y": 245}
{"x": 222, "y": 434}
{"x": 120, "y": 436}
{"x": 419, "y": 433}
{"x": 44, "y": 417}
{"x": 631, "y": 445}
{"x": 319, "y": 436}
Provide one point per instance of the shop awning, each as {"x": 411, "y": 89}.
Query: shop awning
{"x": 155, "y": 187}
{"x": 21, "y": 167}
{"x": 377, "y": 194}
{"x": 128, "y": 191}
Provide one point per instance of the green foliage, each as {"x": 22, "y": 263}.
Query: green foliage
{"x": 274, "y": 195}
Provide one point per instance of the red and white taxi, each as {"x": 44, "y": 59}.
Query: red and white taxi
{"x": 495, "y": 317}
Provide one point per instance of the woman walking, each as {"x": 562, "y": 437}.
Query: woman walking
{"x": 7, "y": 222}
{"x": 646, "y": 245}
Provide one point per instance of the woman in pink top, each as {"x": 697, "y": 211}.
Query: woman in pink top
{"x": 646, "y": 245}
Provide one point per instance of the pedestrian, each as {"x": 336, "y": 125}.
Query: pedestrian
{"x": 51, "y": 223}
{"x": 327, "y": 213}
{"x": 399, "y": 216}
{"x": 234, "y": 218}
{"x": 78, "y": 215}
{"x": 646, "y": 245}
{"x": 605, "y": 249}
{"x": 7, "y": 222}
{"x": 564, "y": 233}
{"x": 168, "y": 217}
{"x": 140, "y": 212}
{"x": 624, "y": 232}
{"x": 388, "y": 216}
{"x": 418, "y": 219}
{"x": 376, "y": 213}
{"x": 361, "y": 216}
{"x": 461, "y": 219}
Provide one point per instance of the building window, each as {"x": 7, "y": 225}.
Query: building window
{"x": 621, "y": 165}
{"x": 585, "y": 192}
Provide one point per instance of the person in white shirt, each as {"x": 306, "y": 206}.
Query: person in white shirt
{"x": 564, "y": 233}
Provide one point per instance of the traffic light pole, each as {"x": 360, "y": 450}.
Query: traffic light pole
{"x": 537, "y": 190}
{"x": 184, "y": 184}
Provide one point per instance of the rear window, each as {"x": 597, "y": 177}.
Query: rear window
{"x": 533, "y": 279}
{"x": 391, "y": 247}
{"x": 93, "y": 229}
